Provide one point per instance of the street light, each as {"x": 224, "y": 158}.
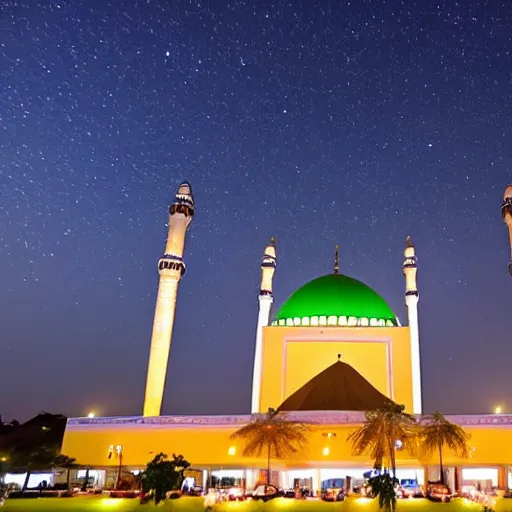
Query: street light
{"x": 498, "y": 410}
{"x": 91, "y": 415}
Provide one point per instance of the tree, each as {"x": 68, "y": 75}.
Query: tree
{"x": 162, "y": 475}
{"x": 273, "y": 435}
{"x": 379, "y": 437}
{"x": 439, "y": 433}
{"x": 38, "y": 459}
{"x": 67, "y": 463}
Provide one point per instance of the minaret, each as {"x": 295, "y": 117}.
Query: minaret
{"x": 170, "y": 269}
{"x": 410, "y": 269}
{"x": 268, "y": 267}
{"x": 506, "y": 213}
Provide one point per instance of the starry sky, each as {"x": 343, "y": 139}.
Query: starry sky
{"x": 317, "y": 121}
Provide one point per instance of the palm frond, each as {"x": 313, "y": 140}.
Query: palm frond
{"x": 272, "y": 432}
{"x": 439, "y": 433}
{"x": 378, "y": 436}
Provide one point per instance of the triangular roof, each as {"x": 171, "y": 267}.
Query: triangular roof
{"x": 338, "y": 388}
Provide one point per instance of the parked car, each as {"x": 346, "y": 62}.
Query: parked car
{"x": 197, "y": 490}
{"x": 436, "y": 491}
{"x": 333, "y": 494}
{"x": 174, "y": 494}
{"x": 411, "y": 490}
{"x": 266, "y": 492}
{"x": 236, "y": 493}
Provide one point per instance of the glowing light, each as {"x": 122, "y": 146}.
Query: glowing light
{"x": 3, "y": 459}
{"x": 284, "y": 502}
{"x": 326, "y": 451}
{"x": 498, "y": 410}
{"x": 111, "y": 502}
{"x": 232, "y": 450}
{"x": 91, "y": 415}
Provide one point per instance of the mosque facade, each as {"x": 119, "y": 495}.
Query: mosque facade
{"x": 333, "y": 350}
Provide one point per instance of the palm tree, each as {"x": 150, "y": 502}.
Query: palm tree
{"x": 439, "y": 433}
{"x": 273, "y": 435}
{"x": 379, "y": 437}
{"x": 382, "y": 431}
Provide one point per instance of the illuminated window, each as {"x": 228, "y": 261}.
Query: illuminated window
{"x": 296, "y": 321}
{"x": 232, "y": 450}
{"x": 289, "y": 322}
{"x": 305, "y": 320}
{"x": 342, "y": 320}
{"x": 314, "y": 320}
{"x": 332, "y": 320}
{"x": 352, "y": 321}
{"x": 326, "y": 451}
{"x": 323, "y": 320}
{"x": 364, "y": 322}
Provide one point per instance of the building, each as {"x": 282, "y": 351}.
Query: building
{"x": 333, "y": 350}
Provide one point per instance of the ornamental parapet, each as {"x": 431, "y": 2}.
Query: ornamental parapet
{"x": 310, "y": 417}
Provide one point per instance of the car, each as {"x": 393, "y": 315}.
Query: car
{"x": 411, "y": 490}
{"x": 266, "y": 492}
{"x": 197, "y": 490}
{"x": 333, "y": 494}
{"x": 236, "y": 493}
{"x": 436, "y": 491}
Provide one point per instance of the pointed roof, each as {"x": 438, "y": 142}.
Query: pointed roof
{"x": 338, "y": 388}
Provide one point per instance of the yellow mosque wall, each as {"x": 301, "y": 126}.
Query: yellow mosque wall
{"x": 294, "y": 355}
{"x": 211, "y": 447}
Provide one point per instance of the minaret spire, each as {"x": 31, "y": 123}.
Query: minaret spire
{"x": 506, "y": 213}
{"x": 266, "y": 298}
{"x": 337, "y": 259}
{"x": 410, "y": 270}
{"x": 170, "y": 269}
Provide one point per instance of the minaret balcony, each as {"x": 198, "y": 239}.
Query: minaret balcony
{"x": 184, "y": 208}
{"x": 170, "y": 262}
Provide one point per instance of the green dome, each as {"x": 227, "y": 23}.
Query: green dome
{"x": 336, "y": 299}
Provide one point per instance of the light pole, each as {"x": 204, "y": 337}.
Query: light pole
{"x": 119, "y": 455}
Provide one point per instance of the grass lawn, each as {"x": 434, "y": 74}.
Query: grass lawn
{"x": 188, "y": 504}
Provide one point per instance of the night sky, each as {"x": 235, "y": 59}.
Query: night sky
{"x": 320, "y": 122}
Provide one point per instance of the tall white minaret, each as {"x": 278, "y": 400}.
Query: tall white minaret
{"x": 506, "y": 212}
{"x": 170, "y": 269}
{"x": 268, "y": 267}
{"x": 410, "y": 269}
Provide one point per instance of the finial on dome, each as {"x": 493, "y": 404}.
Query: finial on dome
{"x": 339, "y": 357}
{"x": 272, "y": 240}
{"x": 336, "y": 260}
{"x": 408, "y": 241}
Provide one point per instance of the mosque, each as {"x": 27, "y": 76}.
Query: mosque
{"x": 333, "y": 350}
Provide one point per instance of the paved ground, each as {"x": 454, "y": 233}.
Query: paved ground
{"x": 186, "y": 504}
